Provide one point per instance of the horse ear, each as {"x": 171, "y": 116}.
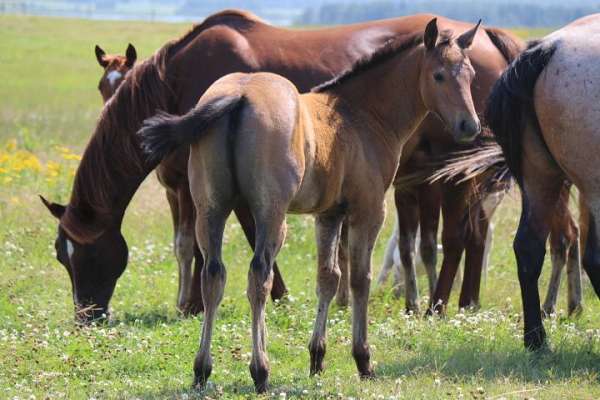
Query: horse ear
{"x": 131, "y": 55}
{"x": 466, "y": 39}
{"x": 100, "y": 56}
{"x": 55, "y": 209}
{"x": 431, "y": 34}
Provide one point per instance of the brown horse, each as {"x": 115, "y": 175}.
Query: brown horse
{"x": 115, "y": 68}
{"x": 173, "y": 80}
{"x": 542, "y": 114}
{"x": 331, "y": 153}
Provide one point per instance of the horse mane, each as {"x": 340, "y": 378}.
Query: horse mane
{"x": 113, "y": 164}
{"x": 385, "y": 52}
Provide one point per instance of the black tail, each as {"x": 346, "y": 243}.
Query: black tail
{"x": 164, "y": 133}
{"x": 509, "y": 46}
{"x": 510, "y": 104}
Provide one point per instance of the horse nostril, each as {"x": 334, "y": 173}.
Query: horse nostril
{"x": 463, "y": 125}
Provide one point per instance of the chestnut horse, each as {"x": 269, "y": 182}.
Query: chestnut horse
{"x": 331, "y": 153}
{"x": 542, "y": 113}
{"x": 115, "y": 68}
{"x": 89, "y": 242}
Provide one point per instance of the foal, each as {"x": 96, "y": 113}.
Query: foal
{"x": 331, "y": 153}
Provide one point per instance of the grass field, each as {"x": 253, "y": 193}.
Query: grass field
{"x": 49, "y": 106}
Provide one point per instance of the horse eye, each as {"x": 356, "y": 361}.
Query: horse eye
{"x": 438, "y": 76}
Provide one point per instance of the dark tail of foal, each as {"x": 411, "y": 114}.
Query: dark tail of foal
{"x": 164, "y": 133}
{"x": 510, "y": 105}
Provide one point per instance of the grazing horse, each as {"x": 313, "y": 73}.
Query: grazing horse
{"x": 542, "y": 113}
{"x": 331, "y": 153}
{"x": 89, "y": 242}
{"x": 115, "y": 68}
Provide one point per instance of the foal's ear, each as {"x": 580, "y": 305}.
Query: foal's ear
{"x": 131, "y": 56}
{"x": 55, "y": 209}
{"x": 466, "y": 39}
{"x": 431, "y": 34}
{"x": 100, "y": 56}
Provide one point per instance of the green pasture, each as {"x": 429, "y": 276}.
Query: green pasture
{"x": 49, "y": 104}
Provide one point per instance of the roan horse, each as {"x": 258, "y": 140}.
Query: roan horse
{"x": 331, "y": 153}
{"x": 115, "y": 69}
{"x": 542, "y": 113}
{"x": 89, "y": 242}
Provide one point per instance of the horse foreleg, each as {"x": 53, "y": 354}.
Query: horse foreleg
{"x": 363, "y": 230}
{"x": 189, "y": 298}
{"x": 407, "y": 208}
{"x": 328, "y": 229}
{"x": 342, "y": 296}
{"x": 430, "y": 202}
{"x": 591, "y": 258}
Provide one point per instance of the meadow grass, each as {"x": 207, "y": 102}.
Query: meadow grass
{"x": 49, "y": 105}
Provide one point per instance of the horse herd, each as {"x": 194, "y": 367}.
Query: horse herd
{"x": 238, "y": 115}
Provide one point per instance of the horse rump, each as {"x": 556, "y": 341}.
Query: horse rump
{"x": 510, "y": 105}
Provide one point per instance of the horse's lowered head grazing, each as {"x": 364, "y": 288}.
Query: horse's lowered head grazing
{"x": 93, "y": 266}
{"x": 115, "y": 69}
{"x": 445, "y": 81}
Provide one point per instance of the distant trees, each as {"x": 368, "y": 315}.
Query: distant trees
{"x": 505, "y": 13}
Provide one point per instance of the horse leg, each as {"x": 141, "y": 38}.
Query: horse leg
{"x": 574, "y": 290}
{"x": 247, "y": 222}
{"x": 453, "y": 243}
{"x": 343, "y": 292}
{"x": 429, "y": 216}
{"x": 474, "y": 255}
{"x": 362, "y": 234}
{"x": 591, "y": 258}
{"x": 407, "y": 208}
{"x": 209, "y": 232}
{"x": 388, "y": 260}
{"x": 184, "y": 251}
{"x": 328, "y": 229}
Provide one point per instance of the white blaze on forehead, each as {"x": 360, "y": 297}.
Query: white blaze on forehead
{"x": 70, "y": 249}
{"x": 113, "y": 77}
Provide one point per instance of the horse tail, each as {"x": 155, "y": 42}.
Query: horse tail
{"x": 508, "y": 45}
{"x": 510, "y": 105}
{"x": 163, "y": 133}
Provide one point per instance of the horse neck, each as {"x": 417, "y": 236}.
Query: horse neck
{"x": 113, "y": 165}
{"x": 388, "y": 95}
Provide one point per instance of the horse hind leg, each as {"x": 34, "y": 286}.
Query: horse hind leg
{"x": 429, "y": 216}
{"x": 388, "y": 260}
{"x": 328, "y": 228}
{"x": 270, "y": 234}
{"x": 591, "y": 258}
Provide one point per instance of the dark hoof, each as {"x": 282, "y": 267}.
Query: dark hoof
{"x": 260, "y": 376}
{"x": 575, "y": 310}
{"x": 278, "y": 292}
{"x": 547, "y": 312}
{"x": 342, "y": 301}
{"x": 192, "y": 308}
{"x": 367, "y": 375}
{"x": 362, "y": 357}
{"x": 535, "y": 340}
{"x": 201, "y": 377}
{"x": 317, "y": 354}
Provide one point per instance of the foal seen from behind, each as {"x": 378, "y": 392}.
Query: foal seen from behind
{"x": 331, "y": 153}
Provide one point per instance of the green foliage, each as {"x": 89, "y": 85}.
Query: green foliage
{"x": 50, "y": 97}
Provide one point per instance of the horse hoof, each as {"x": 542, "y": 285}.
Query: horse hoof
{"x": 201, "y": 378}
{"x": 362, "y": 357}
{"x": 193, "y": 308}
{"x": 278, "y": 291}
{"x": 547, "y": 312}
{"x": 575, "y": 310}
{"x": 535, "y": 340}
{"x": 260, "y": 376}
{"x": 342, "y": 301}
{"x": 317, "y": 354}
